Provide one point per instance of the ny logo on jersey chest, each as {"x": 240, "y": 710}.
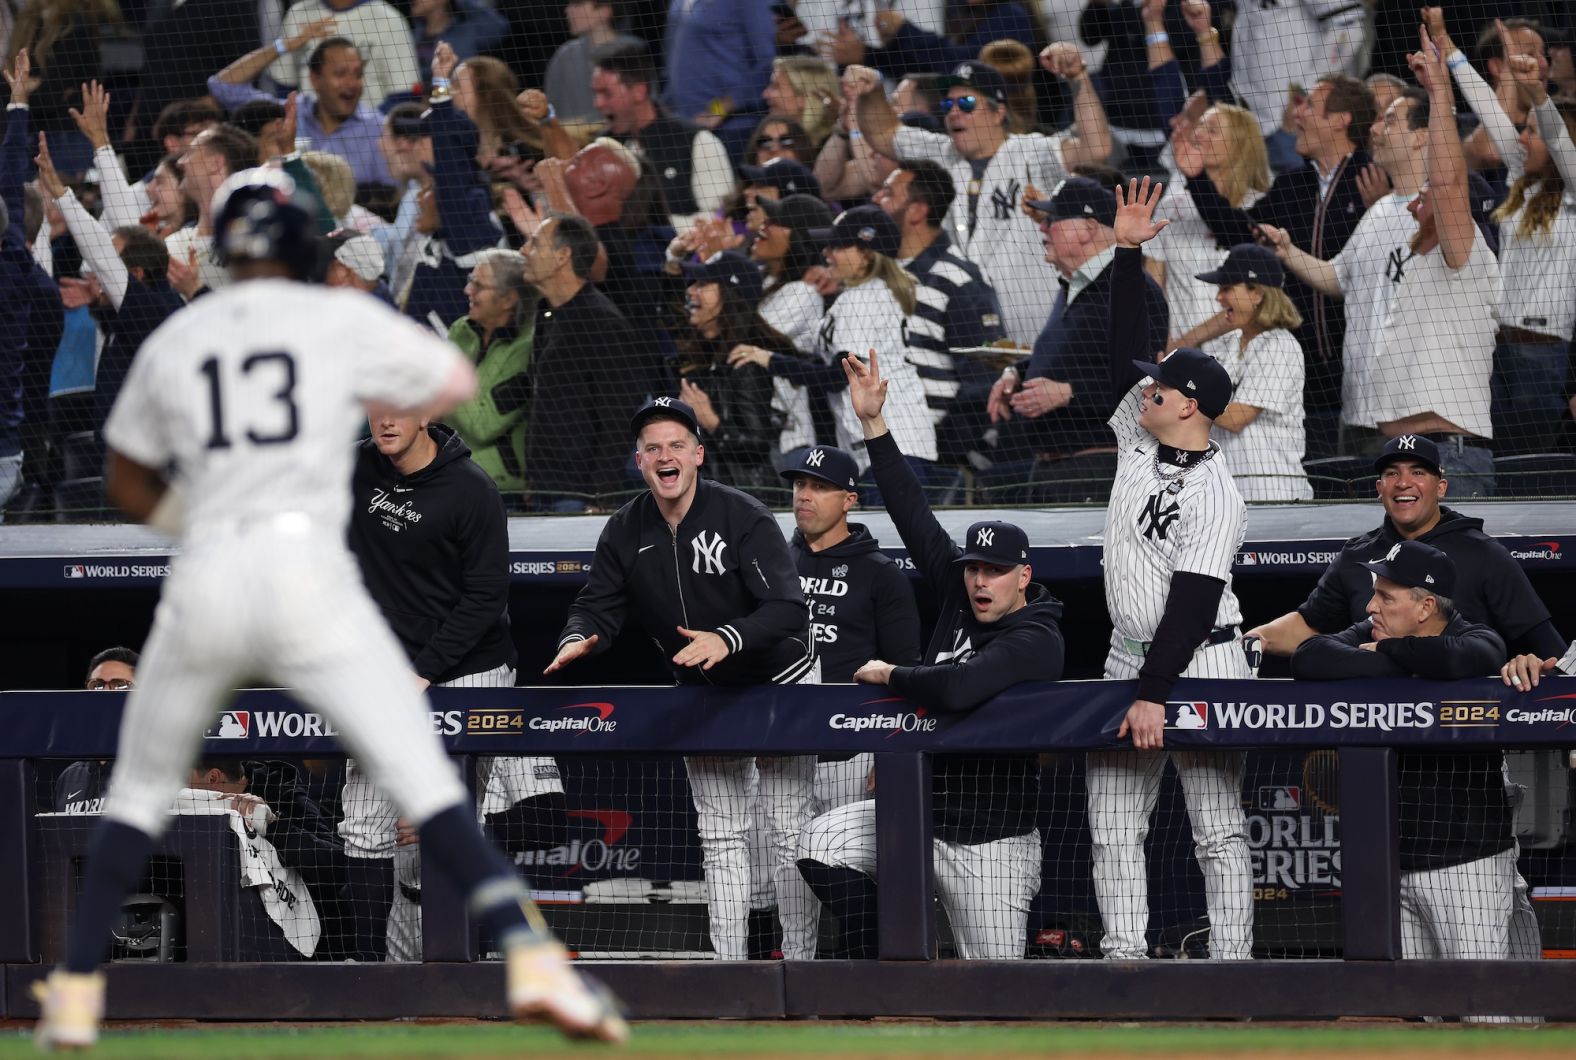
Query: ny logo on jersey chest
{"x": 1157, "y": 516}
{"x": 707, "y": 551}
{"x": 1004, "y": 201}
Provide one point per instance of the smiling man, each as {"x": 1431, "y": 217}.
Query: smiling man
{"x": 1491, "y": 586}
{"x": 707, "y": 571}
{"x": 995, "y": 628}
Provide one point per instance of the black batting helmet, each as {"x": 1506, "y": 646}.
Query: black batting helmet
{"x": 260, "y": 215}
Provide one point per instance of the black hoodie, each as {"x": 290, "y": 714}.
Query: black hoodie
{"x": 861, "y": 604}
{"x": 434, "y": 552}
{"x": 975, "y": 798}
{"x": 1491, "y": 587}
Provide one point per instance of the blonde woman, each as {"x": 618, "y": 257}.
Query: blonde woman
{"x": 1225, "y": 145}
{"x": 1261, "y": 432}
{"x": 878, "y": 295}
{"x": 804, "y": 89}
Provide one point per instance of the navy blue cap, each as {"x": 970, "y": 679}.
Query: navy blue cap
{"x": 1079, "y": 197}
{"x": 1412, "y": 447}
{"x": 863, "y": 226}
{"x": 1248, "y": 263}
{"x": 731, "y": 271}
{"x": 976, "y": 75}
{"x": 802, "y": 213}
{"x": 1417, "y": 565}
{"x": 1195, "y": 374}
{"x": 826, "y": 463}
{"x": 664, "y": 408}
{"x": 788, "y": 176}
{"x": 997, "y": 543}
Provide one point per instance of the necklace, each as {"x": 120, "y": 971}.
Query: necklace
{"x": 1175, "y": 481}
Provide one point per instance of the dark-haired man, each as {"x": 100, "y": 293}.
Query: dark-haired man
{"x": 80, "y": 786}
{"x": 588, "y": 368}
{"x": 375, "y": 28}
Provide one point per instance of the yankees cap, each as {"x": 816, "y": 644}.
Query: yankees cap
{"x": 664, "y": 408}
{"x": 1417, "y": 565}
{"x": 976, "y": 75}
{"x": 863, "y": 226}
{"x": 1247, "y": 263}
{"x": 1195, "y": 374}
{"x": 1414, "y": 447}
{"x": 1078, "y": 197}
{"x": 731, "y": 271}
{"x": 997, "y": 543}
{"x": 826, "y": 463}
{"x": 789, "y": 176}
{"x": 801, "y": 213}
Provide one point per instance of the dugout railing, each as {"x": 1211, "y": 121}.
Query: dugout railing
{"x": 1366, "y": 722}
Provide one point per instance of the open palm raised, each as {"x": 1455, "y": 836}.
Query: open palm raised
{"x": 1135, "y": 213}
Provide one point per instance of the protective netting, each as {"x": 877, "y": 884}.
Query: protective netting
{"x": 444, "y": 130}
{"x": 272, "y": 860}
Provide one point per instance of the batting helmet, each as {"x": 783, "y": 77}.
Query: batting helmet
{"x": 260, "y": 215}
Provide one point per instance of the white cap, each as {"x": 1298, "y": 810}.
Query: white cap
{"x": 362, "y": 256}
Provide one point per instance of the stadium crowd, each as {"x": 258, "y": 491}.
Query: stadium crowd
{"x": 648, "y": 207}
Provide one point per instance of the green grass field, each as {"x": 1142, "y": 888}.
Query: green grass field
{"x": 829, "y": 1040}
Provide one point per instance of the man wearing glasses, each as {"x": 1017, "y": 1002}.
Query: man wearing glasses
{"x": 990, "y": 168}
{"x": 80, "y": 786}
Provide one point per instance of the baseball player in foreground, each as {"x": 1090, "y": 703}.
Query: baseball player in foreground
{"x": 1172, "y": 530}
{"x": 255, "y": 394}
{"x": 708, "y": 572}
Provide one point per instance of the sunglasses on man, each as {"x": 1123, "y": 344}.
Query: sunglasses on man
{"x": 964, "y": 103}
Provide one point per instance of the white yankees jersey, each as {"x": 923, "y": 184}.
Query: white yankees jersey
{"x": 1004, "y": 243}
{"x": 1265, "y": 457}
{"x": 254, "y": 394}
{"x": 868, "y": 317}
{"x": 180, "y": 245}
{"x": 1151, "y": 533}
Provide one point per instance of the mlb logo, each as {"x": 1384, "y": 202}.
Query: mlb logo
{"x": 76, "y": 570}
{"x": 1190, "y": 715}
{"x": 1247, "y": 559}
{"x": 232, "y": 725}
{"x": 1284, "y": 797}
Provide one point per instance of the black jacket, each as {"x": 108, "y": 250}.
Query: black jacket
{"x": 1453, "y": 805}
{"x": 861, "y": 605}
{"x": 739, "y": 452}
{"x": 434, "y": 552}
{"x": 1491, "y": 587}
{"x": 975, "y": 798}
{"x": 726, "y": 569}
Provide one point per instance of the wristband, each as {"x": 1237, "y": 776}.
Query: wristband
{"x": 439, "y": 82}
{"x": 552, "y": 113}
{"x": 1212, "y": 36}
{"x": 855, "y": 134}
{"x": 280, "y": 46}
{"x": 1155, "y": 39}
{"x": 1457, "y": 60}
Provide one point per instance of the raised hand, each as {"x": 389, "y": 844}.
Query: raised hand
{"x": 321, "y": 29}
{"x": 20, "y": 77}
{"x": 1277, "y": 239}
{"x": 1135, "y": 213}
{"x": 1153, "y": 13}
{"x": 1428, "y": 63}
{"x": 443, "y": 60}
{"x": 858, "y": 80}
{"x": 1062, "y": 59}
{"x": 533, "y": 105}
{"x": 93, "y": 119}
{"x": 867, "y": 391}
{"x": 49, "y": 181}
{"x": 525, "y": 219}
{"x": 1198, "y": 16}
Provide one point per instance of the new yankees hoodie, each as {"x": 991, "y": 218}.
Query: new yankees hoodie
{"x": 975, "y": 798}
{"x": 861, "y": 604}
{"x": 434, "y": 553}
{"x": 724, "y": 569}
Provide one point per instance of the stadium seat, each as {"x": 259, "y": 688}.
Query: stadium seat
{"x": 81, "y": 500}
{"x": 1540, "y": 475}
{"x": 1332, "y": 477}
{"x": 81, "y": 455}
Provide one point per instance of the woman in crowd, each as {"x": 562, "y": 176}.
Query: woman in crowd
{"x": 1261, "y": 432}
{"x": 794, "y": 303}
{"x": 1226, "y": 147}
{"x": 485, "y": 88}
{"x": 776, "y": 137}
{"x": 739, "y": 426}
{"x": 1537, "y": 254}
{"x": 803, "y": 89}
{"x": 878, "y": 295}
{"x": 495, "y": 333}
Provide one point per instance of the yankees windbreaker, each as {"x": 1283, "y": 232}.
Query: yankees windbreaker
{"x": 726, "y": 569}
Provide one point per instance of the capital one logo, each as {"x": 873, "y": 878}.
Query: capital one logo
{"x": 707, "y": 552}
{"x": 815, "y": 458}
{"x": 985, "y": 539}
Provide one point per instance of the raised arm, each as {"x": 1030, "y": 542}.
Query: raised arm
{"x": 1480, "y": 96}
{"x": 1091, "y": 139}
{"x": 1129, "y": 332}
{"x": 877, "y": 120}
{"x": 250, "y": 66}
{"x": 1315, "y": 272}
{"x": 1447, "y": 167}
{"x": 92, "y": 239}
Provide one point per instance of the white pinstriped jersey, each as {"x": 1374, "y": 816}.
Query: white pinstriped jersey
{"x": 255, "y": 394}
{"x": 1150, "y": 534}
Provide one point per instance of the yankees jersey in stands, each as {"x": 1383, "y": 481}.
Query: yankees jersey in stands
{"x": 868, "y": 317}
{"x": 986, "y": 224}
{"x": 861, "y": 605}
{"x": 956, "y": 308}
{"x": 725, "y": 569}
{"x": 1160, "y": 522}
{"x": 255, "y": 427}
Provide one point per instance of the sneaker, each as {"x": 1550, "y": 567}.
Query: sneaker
{"x": 70, "y": 1008}
{"x": 544, "y": 986}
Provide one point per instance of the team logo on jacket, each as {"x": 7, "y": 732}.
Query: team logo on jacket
{"x": 962, "y": 649}
{"x": 1187, "y": 715}
{"x": 708, "y": 551}
{"x": 1155, "y": 519}
{"x": 1004, "y": 201}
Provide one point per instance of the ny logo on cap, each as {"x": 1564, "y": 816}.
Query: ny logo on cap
{"x": 1395, "y": 550}
{"x": 986, "y": 538}
{"x": 662, "y": 402}
{"x": 965, "y": 71}
{"x": 1406, "y": 441}
{"x": 815, "y": 458}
